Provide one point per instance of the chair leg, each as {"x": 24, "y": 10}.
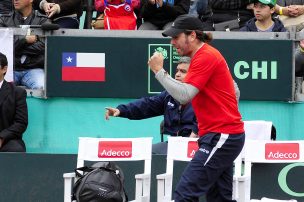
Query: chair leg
{"x": 67, "y": 189}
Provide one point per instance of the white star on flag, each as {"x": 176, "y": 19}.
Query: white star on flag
{"x": 69, "y": 59}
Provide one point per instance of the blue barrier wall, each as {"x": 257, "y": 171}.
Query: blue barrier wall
{"x": 56, "y": 123}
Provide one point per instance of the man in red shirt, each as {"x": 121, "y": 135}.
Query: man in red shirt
{"x": 209, "y": 86}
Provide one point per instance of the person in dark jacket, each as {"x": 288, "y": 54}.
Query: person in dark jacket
{"x": 13, "y": 113}
{"x": 179, "y": 120}
{"x": 263, "y": 20}
{"x": 29, "y": 49}
{"x": 218, "y": 11}
{"x": 6, "y": 6}
{"x": 65, "y": 13}
{"x": 160, "y": 14}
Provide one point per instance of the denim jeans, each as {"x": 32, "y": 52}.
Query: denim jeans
{"x": 31, "y": 78}
{"x": 67, "y": 22}
{"x": 198, "y": 6}
{"x": 150, "y": 26}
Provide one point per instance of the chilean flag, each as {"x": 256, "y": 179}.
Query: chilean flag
{"x": 83, "y": 67}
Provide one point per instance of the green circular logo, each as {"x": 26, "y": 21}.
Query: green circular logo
{"x": 283, "y": 182}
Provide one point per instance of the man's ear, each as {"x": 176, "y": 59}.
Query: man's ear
{"x": 5, "y": 69}
{"x": 193, "y": 35}
{"x": 272, "y": 10}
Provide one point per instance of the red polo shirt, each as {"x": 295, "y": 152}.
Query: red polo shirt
{"x": 215, "y": 105}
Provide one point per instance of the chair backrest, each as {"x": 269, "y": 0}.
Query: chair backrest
{"x": 183, "y": 149}
{"x": 258, "y": 129}
{"x": 274, "y": 151}
{"x": 180, "y": 149}
{"x": 115, "y": 149}
{"x": 262, "y": 151}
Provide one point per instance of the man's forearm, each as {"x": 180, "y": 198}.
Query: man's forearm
{"x": 182, "y": 92}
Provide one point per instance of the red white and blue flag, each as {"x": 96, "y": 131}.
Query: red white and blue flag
{"x": 83, "y": 66}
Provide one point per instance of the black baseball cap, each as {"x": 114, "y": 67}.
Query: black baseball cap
{"x": 182, "y": 23}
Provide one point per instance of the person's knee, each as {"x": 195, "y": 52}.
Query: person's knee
{"x": 13, "y": 146}
{"x": 147, "y": 26}
{"x": 34, "y": 79}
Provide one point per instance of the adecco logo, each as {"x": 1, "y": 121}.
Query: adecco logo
{"x": 192, "y": 148}
{"x": 115, "y": 149}
{"x": 282, "y": 151}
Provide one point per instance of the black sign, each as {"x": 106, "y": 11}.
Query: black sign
{"x": 284, "y": 181}
{"x": 260, "y": 69}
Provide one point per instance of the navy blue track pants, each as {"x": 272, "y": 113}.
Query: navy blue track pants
{"x": 210, "y": 172}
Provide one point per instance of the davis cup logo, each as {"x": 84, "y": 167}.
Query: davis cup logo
{"x": 115, "y": 149}
{"x": 282, "y": 151}
{"x": 192, "y": 148}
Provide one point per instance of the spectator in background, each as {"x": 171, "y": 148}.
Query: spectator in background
{"x": 179, "y": 120}
{"x": 116, "y": 14}
{"x": 263, "y": 20}
{"x": 13, "y": 113}
{"x": 29, "y": 49}
{"x": 65, "y": 13}
{"x": 299, "y": 71}
{"x": 291, "y": 13}
{"x": 6, "y": 6}
{"x": 292, "y": 8}
{"x": 202, "y": 4}
{"x": 219, "y": 11}
{"x": 299, "y": 60}
{"x": 160, "y": 14}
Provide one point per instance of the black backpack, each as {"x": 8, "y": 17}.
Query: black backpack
{"x": 102, "y": 182}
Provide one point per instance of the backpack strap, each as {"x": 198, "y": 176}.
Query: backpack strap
{"x": 84, "y": 169}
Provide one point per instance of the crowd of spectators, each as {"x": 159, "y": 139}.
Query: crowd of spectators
{"x": 234, "y": 15}
{"x": 28, "y": 49}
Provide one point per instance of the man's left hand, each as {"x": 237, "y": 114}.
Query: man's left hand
{"x": 156, "y": 62}
{"x": 193, "y": 135}
{"x": 53, "y": 10}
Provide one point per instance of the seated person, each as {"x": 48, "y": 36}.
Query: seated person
{"x": 263, "y": 20}
{"x": 116, "y": 14}
{"x": 299, "y": 60}
{"x": 160, "y": 14}
{"x": 292, "y": 8}
{"x": 179, "y": 120}
{"x": 6, "y": 6}
{"x": 291, "y": 13}
{"x": 219, "y": 11}
{"x": 65, "y": 13}
{"x": 13, "y": 113}
{"x": 29, "y": 49}
{"x": 202, "y": 4}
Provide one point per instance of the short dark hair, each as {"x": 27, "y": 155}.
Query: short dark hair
{"x": 184, "y": 59}
{"x": 3, "y": 60}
